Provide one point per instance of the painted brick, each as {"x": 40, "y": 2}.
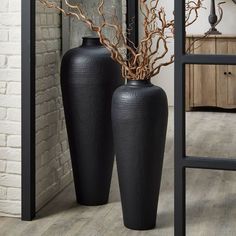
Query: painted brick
{"x": 14, "y": 62}
{"x": 10, "y": 154}
{"x": 15, "y": 35}
{"x": 14, "y": 88}
{"x": 3, "y": 165}
{"x": 40, "y": 8}
{"x": 2, "y": 140}
{"x": 43, "y": 19}
{"x": 10, "y": 75}
{"x": 14, "y": 141}
{"x": 41, "y": 47}
{"x": 10, "y": 19}
{"x": 13, "y": 114}
{"x": 45, "y": 33}
{"x": 4, "y": 5}
{"x": 13, "y": 167}
{"x": 10, "y": 208}
{"x": 3, "y": 35}
{"x": 3, "y": 87}
{"x": 10, "y": 108}
{"x": 10, "y": 180}
{"x": 10, "y": 48}
{"x": 3, "y": 61}
{"x": 14, "y": 5}
{"x": 8, "y": 127}
{"x": 3, "y": 193}
{"x": 14, "y": 194}
{"x": 13, "y": 101}
{"x": 50, "y": 19}
{"x": 3, "y": 113}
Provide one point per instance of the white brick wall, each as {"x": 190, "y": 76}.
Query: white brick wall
{"x": 52, "y": 154}
{"x": 10, "y": 108}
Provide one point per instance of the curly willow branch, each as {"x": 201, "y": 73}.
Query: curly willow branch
{"x": 146, "y": 60}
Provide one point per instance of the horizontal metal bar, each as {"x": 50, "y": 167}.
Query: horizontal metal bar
{"x": 209, "y": 59}
{"x": 209, "y": 163}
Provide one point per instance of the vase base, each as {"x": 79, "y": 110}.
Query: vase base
{"x": 85, "y": 203}
{"x": 140, "y": 227}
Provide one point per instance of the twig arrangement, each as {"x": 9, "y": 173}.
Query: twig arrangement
{"x": 146, "y": 60}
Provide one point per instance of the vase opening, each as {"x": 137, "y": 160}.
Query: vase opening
{"x": 139, "y": 82}
{"x": 91, "y": 41}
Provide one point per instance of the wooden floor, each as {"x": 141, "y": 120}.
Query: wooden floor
{"x": 211, "y": 195}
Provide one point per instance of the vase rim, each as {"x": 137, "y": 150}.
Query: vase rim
{"x": 139, "y": 82}
{"x": 91, "y": 41}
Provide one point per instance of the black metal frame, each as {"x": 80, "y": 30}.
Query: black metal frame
{"x": 28, "y": 101}
{"x": 182, "y": 162}
{"x": 28, "y": 110}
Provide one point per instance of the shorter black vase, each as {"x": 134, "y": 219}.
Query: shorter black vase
{"x": 139, "y": 116}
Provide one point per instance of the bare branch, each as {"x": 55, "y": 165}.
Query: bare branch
{"x": 147, "y": 59}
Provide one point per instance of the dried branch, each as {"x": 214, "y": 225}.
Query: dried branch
{"x": 146, "y": 60}
{"x": 221, "y": 12}
{"x": 191, "y": 11}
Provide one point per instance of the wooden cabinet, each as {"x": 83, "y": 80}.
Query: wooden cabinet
{"x": 211, "y": 85}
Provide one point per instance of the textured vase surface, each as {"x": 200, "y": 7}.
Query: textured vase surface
{"x": 139, "y": 116}
{"x": 88, "y": 79}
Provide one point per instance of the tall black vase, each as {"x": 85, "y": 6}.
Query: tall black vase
{"x": 88, "y": 79}
{"x": 139, "y": 116}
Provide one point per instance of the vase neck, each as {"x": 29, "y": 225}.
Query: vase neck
{"x": 139, "y": 82}
{"x": 90, "y": 41}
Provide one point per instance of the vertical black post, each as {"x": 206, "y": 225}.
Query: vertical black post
{"x": 133, "y": 19}
{"x": 180, "y": 206}
{"x": 65, "y": 31}
{"x": 28, "y": 109}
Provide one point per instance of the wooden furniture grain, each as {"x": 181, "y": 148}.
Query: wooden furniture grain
{"x": 211, "y": 85}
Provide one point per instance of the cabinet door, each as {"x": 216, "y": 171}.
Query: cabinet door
{"x": 204, "y": 76}
{"x": 226, "y": 76}
{"x": 204, "y": 85}
{"x": 222, "y": 76}
{"x": 231, "y": 80}
{"x": 231, "y": 86}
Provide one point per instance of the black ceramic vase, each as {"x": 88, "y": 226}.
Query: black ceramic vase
{"x": 139, "y": 116}
{"x": 88, "y": 79}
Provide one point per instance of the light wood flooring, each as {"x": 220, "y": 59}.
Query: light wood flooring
{"x": 211, "y": 195}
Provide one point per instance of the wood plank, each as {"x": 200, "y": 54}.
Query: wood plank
{"x": 231, "y": 85}
{"x": 203, "y": 77}
{"x": 226, "y": 76}
{"x": 204, "y": 83}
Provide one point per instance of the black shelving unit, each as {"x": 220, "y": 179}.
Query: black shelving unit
{"x": 182, "y": 162}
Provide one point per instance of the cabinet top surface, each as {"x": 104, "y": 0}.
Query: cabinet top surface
{"x": 211, "y": 36}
